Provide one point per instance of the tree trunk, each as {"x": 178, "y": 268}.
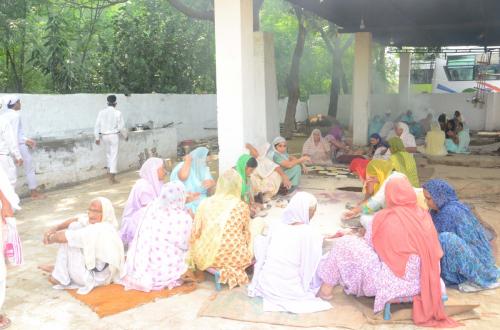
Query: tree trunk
{"x": 293, "y": 83}
{"x": 335, "y": 85}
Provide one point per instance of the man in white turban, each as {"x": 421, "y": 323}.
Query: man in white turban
{"x": 13, "y": 115}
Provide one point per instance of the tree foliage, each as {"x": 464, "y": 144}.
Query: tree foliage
{"x": 143, "y": 46}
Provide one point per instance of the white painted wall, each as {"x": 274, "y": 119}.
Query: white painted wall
{"x": 60, "y": 162}
{"x": 62, "y": 116}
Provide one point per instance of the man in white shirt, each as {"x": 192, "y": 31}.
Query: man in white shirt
{"x": 9, "y": 150}
{"x": 13, "y": 115}
{"x": 108, "y": 126}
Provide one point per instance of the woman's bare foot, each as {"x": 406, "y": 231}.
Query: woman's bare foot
{"x": 46, "y": 268}
{"x": 325, "y": 292}
{"x": 4, "y": 322}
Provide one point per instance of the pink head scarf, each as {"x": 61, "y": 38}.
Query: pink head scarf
{"x": 403, "y": 229}
{"x": 149, "y": 172}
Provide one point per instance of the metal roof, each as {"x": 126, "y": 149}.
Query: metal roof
{"x": 414, "y": 22}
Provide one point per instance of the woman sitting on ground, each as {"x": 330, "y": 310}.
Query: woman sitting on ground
{"x": 458, "y": 141}
{"x": 403, "y": 132}
{"x": 402, "y": 161}
{"x": 435, "y": 141}
{"x": 398, "y": 257}
{"x": 145, "y": 190}
{"x": 378, "y": 148}
{"x": 194, "y": 173}
{"x": 372, "y": 173}
{"x": 268, "y": 176}
{"x": 245, "y": 166}
{"x": 377, "y": 201}
{"x": 468, "y": 259}
{"x": 156, "y": 258}
{"x": 221, "y": 234}
{"x": 318, "y": 149}
{"x": 90, "y": 249}
{"x": 287, "y": 258}
{"x": 291, "y": 166}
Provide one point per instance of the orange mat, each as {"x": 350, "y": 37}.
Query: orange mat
{"x": 113, "y": 299}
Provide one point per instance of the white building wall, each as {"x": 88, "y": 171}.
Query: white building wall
{"x": 61, "y": 116}
{"x": 59, "y": 162}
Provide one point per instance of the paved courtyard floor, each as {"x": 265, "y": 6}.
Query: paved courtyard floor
{"x": 31, "y": 303}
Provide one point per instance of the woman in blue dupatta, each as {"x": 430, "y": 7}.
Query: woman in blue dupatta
{"x": 194, "y": 173}
{"x": 468, "y": 260}
{"x": 290, "y": 165}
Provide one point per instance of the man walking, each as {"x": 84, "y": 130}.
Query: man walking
{"x": 13, "y": 115}
{"x": 108, "y": 126}
{"x": 9, "y": 150}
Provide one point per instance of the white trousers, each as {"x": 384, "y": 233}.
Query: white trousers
{"x": 9, "y": 167}
{"x": 29, "y": 168}
{"x": 110, "y": 143}
{"x": 3, "y": 271}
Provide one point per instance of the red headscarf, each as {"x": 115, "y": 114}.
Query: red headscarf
{"x": 403, "y": 229}
{"x": 358, "y": 165}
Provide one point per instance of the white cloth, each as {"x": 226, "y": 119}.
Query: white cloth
{"x": 287, "y": 260}
{"x": 9, "y": 168}
{"x": 3, "y": 270}
{"x": 407, "y": 138}
{"x": 8, "y": 191}
{"x": 109, "y": 121}
{"x": 111, "y": 143}
{"x": 8, "y": 141}
{"x": 298, "y": 208}
{"x": 265, "y": 166}
{"x": 29, "y": 168}
{"x": 93, "y": 246}
{"x": 70, "y": 269}
{"x": 14, "y": 118}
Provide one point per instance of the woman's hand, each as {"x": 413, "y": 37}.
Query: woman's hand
{"x": 47, "y": 234}
{"x": 207, "y": 184}
{"x": 304, "y": 169}
{"x": 192, "y": 196}
{"x": 352, "y": 213}
{"x": 286, "y": 182}
{"x": 304, "y": 159}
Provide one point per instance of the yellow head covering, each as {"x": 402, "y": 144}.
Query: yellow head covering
{"x": 380, "y": 169}
{"x": 211, "y": 218}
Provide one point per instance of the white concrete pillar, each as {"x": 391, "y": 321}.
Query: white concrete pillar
{"x": 234, "y": 77}
{"x": 361, "y": 87}
{"x": 492, "y": 120}
{"x": 404, "y": 81}
{"x": 267, "y": 115}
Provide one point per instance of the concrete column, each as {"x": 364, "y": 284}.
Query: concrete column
{"x": 404, "y": 81}
{"x": 267, "y": 116}
{"x": 492, "y": 120}
{"x": 361, "y": 87}
{"x": 234, "y": 76}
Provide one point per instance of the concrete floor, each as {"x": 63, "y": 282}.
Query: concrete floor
{"x": 32, "y": 303}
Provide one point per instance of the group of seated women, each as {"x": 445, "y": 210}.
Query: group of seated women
{"x": 404, "y": 251}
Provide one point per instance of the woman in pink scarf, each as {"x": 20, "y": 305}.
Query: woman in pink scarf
{"x": 398, "y": 257}
{"x": 144, "y": 191}
{"x": 318, "y": 149}
{"x": 156, "y": 258}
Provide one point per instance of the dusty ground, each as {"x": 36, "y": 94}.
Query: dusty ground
{"x": 32, "y": 303}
